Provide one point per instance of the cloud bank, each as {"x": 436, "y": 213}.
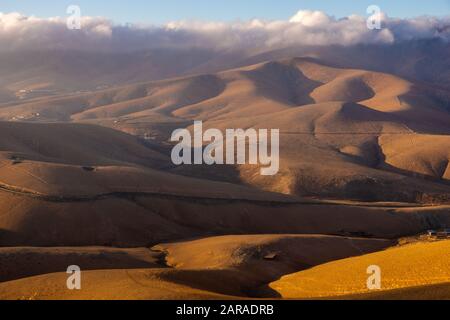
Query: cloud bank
{"x": 306, "y": 28}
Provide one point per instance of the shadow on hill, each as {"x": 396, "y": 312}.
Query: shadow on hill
{"x": 227, "y": 282}
{"x": 283, "y": 83}
{"x": 7, "y": 236}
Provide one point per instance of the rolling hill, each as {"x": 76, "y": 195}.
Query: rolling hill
{"x": 411, "y": 270}
{"x": 240, "y": 261}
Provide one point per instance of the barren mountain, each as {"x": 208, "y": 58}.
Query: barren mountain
{"x": 364, "y": 126}
{"x": 50, "y": 72}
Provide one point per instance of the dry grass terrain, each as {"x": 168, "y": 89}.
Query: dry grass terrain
{"x": 409, "y": 269}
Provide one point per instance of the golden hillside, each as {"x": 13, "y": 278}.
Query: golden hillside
{"x": 406, "y": 267}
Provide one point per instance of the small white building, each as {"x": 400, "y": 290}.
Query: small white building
{"x": 439, "y": 234}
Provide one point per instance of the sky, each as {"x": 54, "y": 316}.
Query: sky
{"x": 163, "y": 11}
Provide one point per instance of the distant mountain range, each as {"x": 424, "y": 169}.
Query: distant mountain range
{"x": 71, "y": 71}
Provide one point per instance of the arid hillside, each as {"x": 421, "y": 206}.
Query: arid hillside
{"x": 167, "y": 271}
{"x": 378, "y": 137}
{"x": 48, "y": 72}
{"x": 86, "y": 179}
{"x": 412, "y": 270}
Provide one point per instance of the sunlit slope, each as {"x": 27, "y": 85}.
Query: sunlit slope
{"x": 424, "y": 155}
{"x": 144, "y": 284}
{"x": 421, "y": 264}
{"x": 428, "y": 292}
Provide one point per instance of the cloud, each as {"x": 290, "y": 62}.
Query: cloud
{"x": 311, "y": 18}
{"x": 305, "y": 28}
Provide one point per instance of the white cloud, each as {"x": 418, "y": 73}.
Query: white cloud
{"x": 19, "y": 32}
{"x": 311, "y": 18}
